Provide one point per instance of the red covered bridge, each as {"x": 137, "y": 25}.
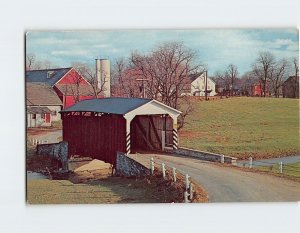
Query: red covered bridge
{"x": 98, "y": 128}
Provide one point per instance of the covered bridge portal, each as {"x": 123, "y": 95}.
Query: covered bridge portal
{"x": 98, "y": 128}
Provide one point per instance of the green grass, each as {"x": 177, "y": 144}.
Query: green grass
{"x": 243, "y": 127}
{"x": 292, "y": 169}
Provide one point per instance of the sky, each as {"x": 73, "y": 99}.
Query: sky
{"x": 216, "y": 48}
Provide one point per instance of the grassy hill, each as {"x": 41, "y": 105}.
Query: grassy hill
{"x": 243, "y": 127}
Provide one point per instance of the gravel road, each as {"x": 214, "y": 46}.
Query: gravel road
{"x": 50, "y": 136}
{"x": 228, "y": 184}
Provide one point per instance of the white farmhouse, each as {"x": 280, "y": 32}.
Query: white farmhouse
{"x": 198, "y": 86}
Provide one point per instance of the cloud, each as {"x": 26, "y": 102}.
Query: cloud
{"x": 70, "y": 52}
{"x": 55, "y": 41}
{"x": 101, "y": 46}
{"x": 217, "y": 47}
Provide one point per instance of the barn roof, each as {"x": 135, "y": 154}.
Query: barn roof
{"x": 41, "y": 94}
{"x": 83, "y": 89}
{"x": 118, "y": 106}
{"x": 50, "y": 76}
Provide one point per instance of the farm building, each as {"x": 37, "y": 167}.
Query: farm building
{"x": 198, "y": 83}
{"x": 43, "y": 105}
{"x": 98, "y": 128}
{"x": 67, "y": 83}
{"x": 38, "y": 117}
{"x": 290, "y": 87}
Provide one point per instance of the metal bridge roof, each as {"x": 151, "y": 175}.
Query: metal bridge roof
{"x": 112, "y": 105}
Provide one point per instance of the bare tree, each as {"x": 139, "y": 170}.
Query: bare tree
{"x": 32, "y": 63}
{"x": 166, "y": 70}
{"x": 30, "y": 60}
{"x": 162, "y": 74}
{"x": 90, "y": 75}
{"x": 262, "y": 68}
{"x": 124, "y": 80}
{"x": 186, "y": 107}
{"x": 296, "y": 73}
{"x": 248, "y": 79}
{"x": 231, "y": 74}
{"x": 277, "y": 76}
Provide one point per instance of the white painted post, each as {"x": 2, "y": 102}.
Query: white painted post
{"x": 222, "y": 158}
{"x": 186, "y": 195}
{"x": 250, "y": 162}
{"x": 174, "y": 174}
{"x": 187, "y": 182}
{"x": 152, "y": 166}
{"x": 191, "y": 192}
{"x": 163, "y": 170}
{"x": 280, "y": 167}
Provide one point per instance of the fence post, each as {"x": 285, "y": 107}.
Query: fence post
{"x": 152, "y": 166}
{"x": 280, "y": 167}
{"x": 222, "y": 158}
{"x": 250, "y": 162}
{"x": 191, "y": 191}
{"x": 163, "y": 170}
{"x": 185, "y": 194}
{"x": 187, "y": 183}
{"x": 174, "y": 173}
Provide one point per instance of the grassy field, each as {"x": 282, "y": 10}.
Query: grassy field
{"x": 292, "y": 169}
{"x": 243, "y": 127}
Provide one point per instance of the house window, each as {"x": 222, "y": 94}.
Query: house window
{"x": 54, "y": 113}
{"x": 43, "y": 116}
{"x": 33, "y": 116}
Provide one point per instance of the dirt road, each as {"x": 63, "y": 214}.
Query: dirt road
{"x": 227, "y": 184}
{"x": 51, "y": 136}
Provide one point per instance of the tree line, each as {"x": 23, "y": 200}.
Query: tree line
{"x": 164, "y": 74}
{"x": 267, "y": 71}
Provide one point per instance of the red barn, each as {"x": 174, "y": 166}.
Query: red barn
{"x": 99, "y": 128}
{"x": 68, "y": 84}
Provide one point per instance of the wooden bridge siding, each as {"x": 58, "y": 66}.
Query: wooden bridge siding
{"x": 153, "y": 132}
{"x": 99, "y": 137}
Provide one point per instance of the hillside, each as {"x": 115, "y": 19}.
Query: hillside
{"x": 243, "y": 127}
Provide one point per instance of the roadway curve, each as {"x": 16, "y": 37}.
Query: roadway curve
{"x": 228, "y": 184}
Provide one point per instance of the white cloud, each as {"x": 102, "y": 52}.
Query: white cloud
{"x": 101, "y": 46}
{"x": 70, "y": 52}
{"x": 55, "y": 41}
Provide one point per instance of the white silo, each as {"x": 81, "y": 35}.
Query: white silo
{"x": 103, "y": 75}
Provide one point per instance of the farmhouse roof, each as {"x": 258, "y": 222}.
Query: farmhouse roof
{"x": 193, "y": 77}
{"x": 41, "y": 94}
{"x": 291, "y": 79}
{"x": 49, "y": 76}
{"x": 38, "y": 110}
{"x": 118, "y": 106}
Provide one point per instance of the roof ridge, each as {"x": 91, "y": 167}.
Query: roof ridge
{"x": 51, "y": 69}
